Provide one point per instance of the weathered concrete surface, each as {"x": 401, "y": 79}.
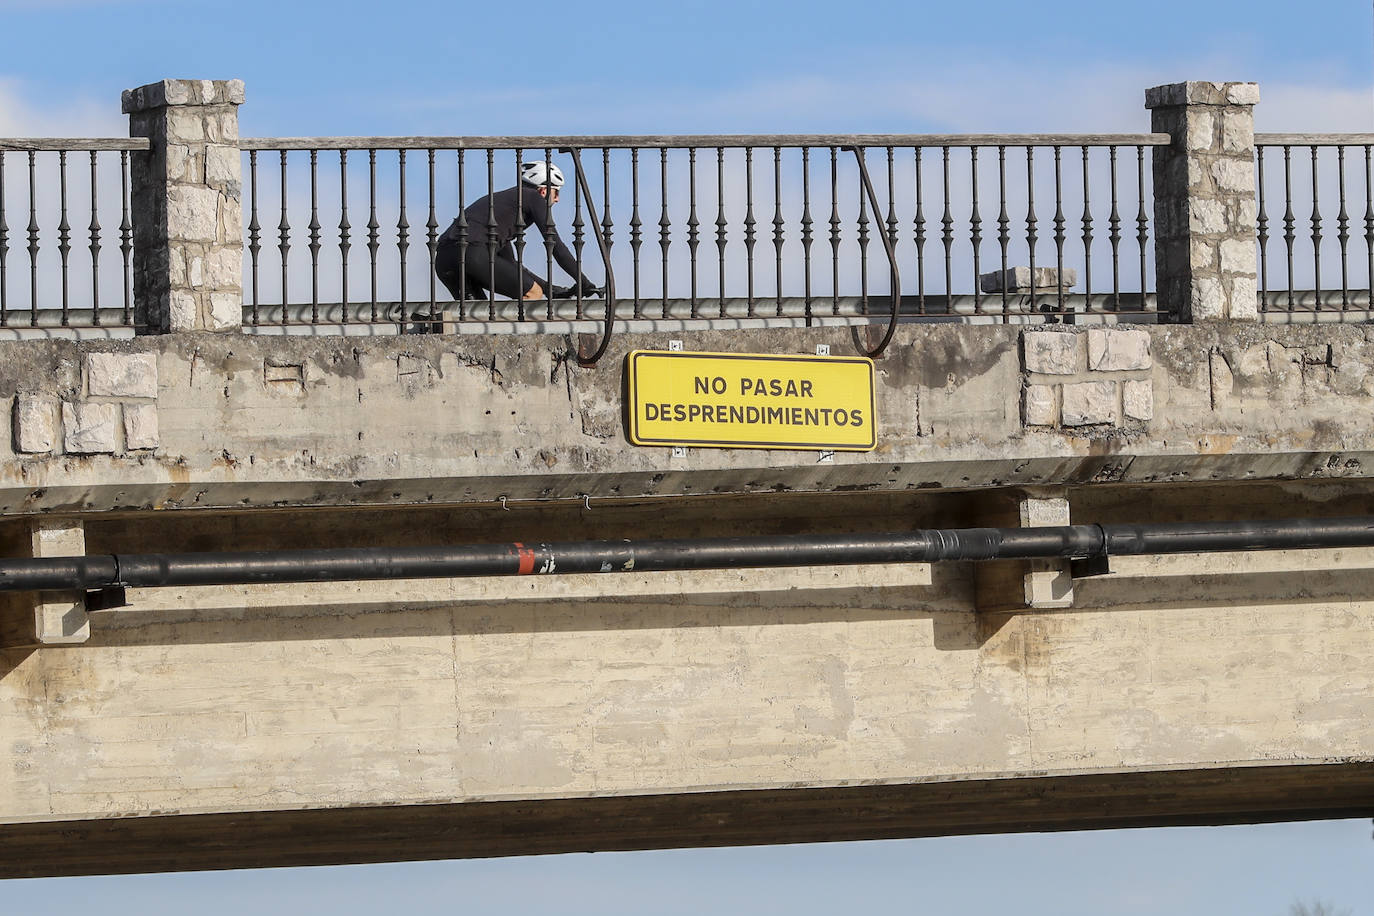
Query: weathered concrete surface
{"x": 595, "y": 709}
{"x": 626, "y": 712}
{"x": 249, "y": 422}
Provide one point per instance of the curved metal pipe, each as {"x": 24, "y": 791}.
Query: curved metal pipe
{"x": 922, "y": 546}
{"x": 583, "y": 358}
{"x": 891, "y": 257}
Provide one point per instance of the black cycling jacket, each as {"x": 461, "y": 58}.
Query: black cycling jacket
{"x": 499, "y": 210}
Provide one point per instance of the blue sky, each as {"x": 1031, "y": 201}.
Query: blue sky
{"x": 629, "y": 66}
{"x": 694, "y": 66}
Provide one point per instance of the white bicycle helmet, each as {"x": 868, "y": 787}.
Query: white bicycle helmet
{"x": 541, "y": 174}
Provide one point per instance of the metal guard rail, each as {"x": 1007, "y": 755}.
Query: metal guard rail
{"x": 690, "y": 141}
{"x": 590, "y": 359}
{"x": 75, "y": 144}
{"x": 572, "y": 145}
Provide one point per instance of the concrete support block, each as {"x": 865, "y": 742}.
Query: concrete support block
{"x": 1010, "y": 585}
{"x": 186, "y": 200}
{"x": 56, "y": 618}
{"x": 89, "y": 428}
{"x": 121, "y": 375}
{"x": 35, "y": 426}
{"x": 1050, "y": 352}
{"x": 1118, "y": 349}
{"x": 1046, "y": 583}
{"x": 1205, "y": 222}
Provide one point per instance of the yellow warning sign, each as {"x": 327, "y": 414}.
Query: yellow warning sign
{"x": 751, "y": 400}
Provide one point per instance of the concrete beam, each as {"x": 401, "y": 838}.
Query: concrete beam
{"x": 601, "y": 823}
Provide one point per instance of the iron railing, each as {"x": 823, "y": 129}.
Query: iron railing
{"x": 44, "y": 176}
{"x": 748, "y": 227}
{"x": 1305, "y": 270}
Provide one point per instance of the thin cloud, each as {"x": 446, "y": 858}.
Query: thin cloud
{"x": 64, "y": 4}
{"x": 1089, "y": 98}
{"x": 77, "y": 118}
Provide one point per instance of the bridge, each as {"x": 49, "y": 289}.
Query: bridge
{"x": 1106, "y": 561}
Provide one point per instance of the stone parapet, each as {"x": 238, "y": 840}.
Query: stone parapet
{"x": 186, "y": 196}
{"x": 1204, "y": 189}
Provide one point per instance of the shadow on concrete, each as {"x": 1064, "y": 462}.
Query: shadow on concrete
{"x": 944, "y": 603}
{"x": 11, "y": 659}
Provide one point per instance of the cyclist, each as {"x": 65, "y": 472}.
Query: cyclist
{"x": 469, "y": 271}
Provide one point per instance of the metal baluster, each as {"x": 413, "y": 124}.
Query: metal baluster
{"x": 1087, "y": 238}
{"x": 432, "y": 240}
{"x": 126, "y": 236}
{"x": 1142, "y": 221}
{"x": 749, "y": 224}
{"x": 862, "y": 236}
{"x": 64, "y": 234}
{"x": 948, "y": 235}
{"x": 579, "y": 238}
{"x": 975, "y": 231}
{"x": 1262, "y": 230}
{"x": 254, "y": 230}
{"x": 403, "y": 233}
{"x": 1059, "y": 227}
{"x": 95, "y": 249}
{"x": 1289, "y": 236}
{"x": 891, "y": 206}
{"x": 606, "y": 224}
{"x": 1368, "y": 222}
{"x": 1114, "y": 236}
{"x": 344, "y": 226}
{"x": 807, "y": 236}
{"x": 491, "y": 234}
{"x": 1343, "y": 230}
{"x": 33, "y": 242}
{"x": 834, "y": 234}
{"x": 920, "y": 221}
{"x": 463, "y": 242}
{"x": 777, "y": 227}
{"x": 636, "y": 236}
{"x": 721, "y": 222}
{"x": 665, "y": 225}
{"x": 520, "y": 226}
{"x": 549, "y": 234}
{"x": 693, "y": 235}
{"x": 1003, "y": 222}
{"x": 372, "y": 225}
{"x": 5, "y": 250}
{"x": 1030, "y": 218}
{"x": 314, "y": 244}
{"x": 1316, "y": 235}
{"x": 284, "y": 245}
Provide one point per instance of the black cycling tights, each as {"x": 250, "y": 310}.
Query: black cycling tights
{"x": 510, "y": 278}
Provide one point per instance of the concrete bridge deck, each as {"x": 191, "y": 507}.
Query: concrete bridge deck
{"x": 267, "y": 725}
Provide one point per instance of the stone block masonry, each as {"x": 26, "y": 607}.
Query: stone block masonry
{"x": 1098, "y": 378}
{"x": 186, "y": 197}
{"x": 1205, "y": 211}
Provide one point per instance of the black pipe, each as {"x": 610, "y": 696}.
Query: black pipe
{"x": 922, "y": 546}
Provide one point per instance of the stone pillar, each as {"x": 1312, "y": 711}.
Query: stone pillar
{"x": 187, "y": 208}
{"x": 1205, "y": 200}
